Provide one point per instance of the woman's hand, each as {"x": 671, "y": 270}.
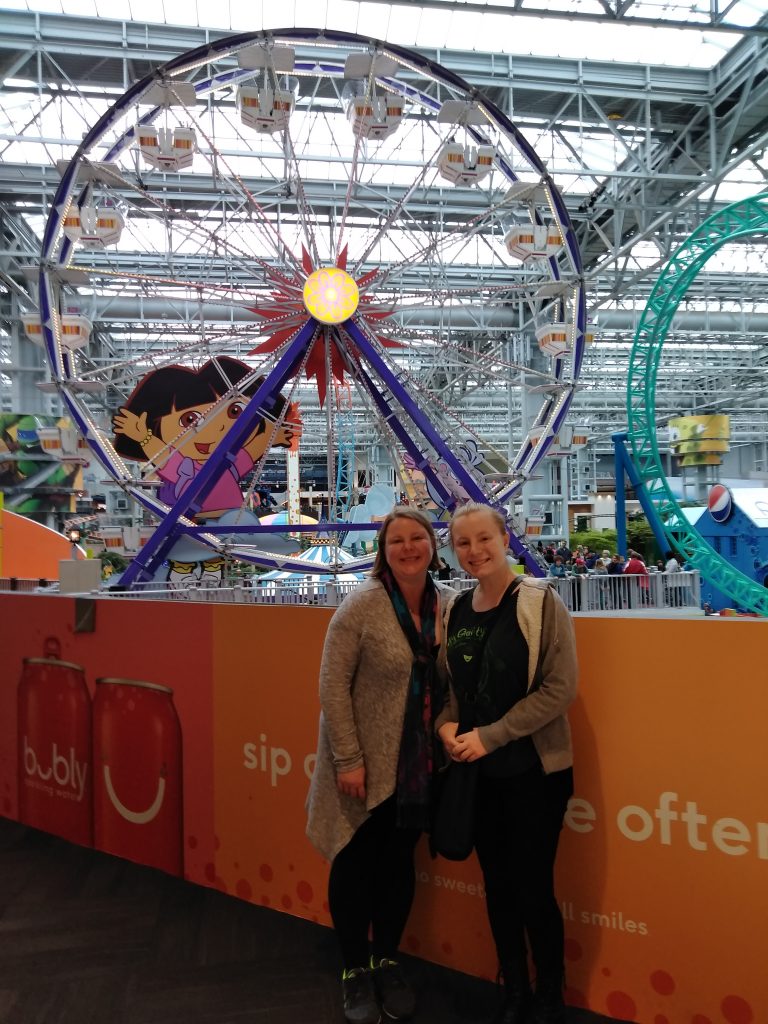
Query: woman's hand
{"x": 447, "y": 733}
{"x": 468, "y": 747}
{"x": 352, "y": 783}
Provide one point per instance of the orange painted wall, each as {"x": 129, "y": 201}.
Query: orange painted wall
{"x": 30, "y": 550}
{"x": 664, "y": 859}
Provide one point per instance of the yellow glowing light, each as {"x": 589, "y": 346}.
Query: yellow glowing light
{"x": 330, "y": 295}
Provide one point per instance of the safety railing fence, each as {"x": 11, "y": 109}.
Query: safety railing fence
{"x": 625, "y": 592}
{"x": 588, "y": 593}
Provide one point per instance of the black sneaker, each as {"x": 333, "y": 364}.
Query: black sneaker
{"x": 360, "y": 1003}
{"x": 395, "y": 994}
{"x": 548, "y": 1006}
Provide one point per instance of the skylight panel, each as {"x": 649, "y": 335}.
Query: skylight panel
{"x": 42, "y": 6}
{"x": 179, "y": 12}
{"x": 275, "y": 15}
{"x": 83, "y": 9}
{"x": 311, "y": 12}
{"x": 213, "y": 14}
{"x": 145, "y": 10}
{"x": 113, "y": 9}
{"x": 432, "y": 28}
{"x": 445, "y": 25}
{"x": 373, "y": 20}
{"x": 464, "y": 31}
{"x": 342, "y": 15}
{"x": 241, "y": 17}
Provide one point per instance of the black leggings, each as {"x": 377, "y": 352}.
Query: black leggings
{"x": 518, "y": 823}
{"x": 371, "y": 886}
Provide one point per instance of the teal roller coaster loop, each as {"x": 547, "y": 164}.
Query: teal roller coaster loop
{"x": 748, "y": 217}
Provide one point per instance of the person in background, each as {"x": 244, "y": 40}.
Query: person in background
{"x": 636, "y": 567}
{"x": 617, "y": 589}
{"x": 675, "y": 587}
{"x": 557, "y": 568}
{"x": 671, "y": 564}
{"x": 604, "y": 595}
{"x": 512, "y": 663}
{"x": 444, "y": 570}
{"x": 381, "y": 688}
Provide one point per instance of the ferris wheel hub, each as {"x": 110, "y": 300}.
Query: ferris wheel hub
{"x": 331, "y": 295}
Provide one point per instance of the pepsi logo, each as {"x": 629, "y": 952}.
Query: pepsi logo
{"x": 720, "y": 503}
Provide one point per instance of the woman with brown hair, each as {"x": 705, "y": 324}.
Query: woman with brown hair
{"x": 381, "y": 689}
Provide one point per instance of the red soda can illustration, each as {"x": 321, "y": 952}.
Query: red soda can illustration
{"x": 54, "y": 745}
{"x": 137, "y": 786}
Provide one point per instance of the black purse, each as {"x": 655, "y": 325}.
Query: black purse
{"x": 453, "y": 829}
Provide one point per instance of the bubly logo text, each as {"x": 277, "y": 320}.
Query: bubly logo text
{"x": 63, "y": 769}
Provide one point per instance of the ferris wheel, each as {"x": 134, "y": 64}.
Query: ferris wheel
{"x": 274, "y": 222}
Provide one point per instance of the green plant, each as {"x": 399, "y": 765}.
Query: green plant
{"x": 117, "y": 562}
{"x": 641, "y": 539}
{"x": 595, "y": 540}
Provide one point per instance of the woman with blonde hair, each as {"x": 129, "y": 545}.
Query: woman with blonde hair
{"x": 512, "y": 673}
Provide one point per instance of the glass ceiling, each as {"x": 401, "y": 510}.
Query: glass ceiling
{"x": 443, "y": 25}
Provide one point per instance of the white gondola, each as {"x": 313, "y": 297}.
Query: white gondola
{"x": 113, "y": 539}
{"x": 94, "y": 227}
{"x": 535, "y": 434}
{"x": 375, "y": 117}
{"x": 73, "y": 444}
{"x": 167, "y": 149}
{"x": 561, "y": 442}
{"x": 75, "y": 329}
{"x": 533, "y": 241}
{"x": 265, "y": 110}
{"x": 534, "y": 525}
{"x": 556, "y": 339}
{"x": 50, "y": 440}
{"x": 465, "y": 165}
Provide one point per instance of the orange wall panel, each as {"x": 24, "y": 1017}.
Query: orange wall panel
{"x": 664, "y": 860}
{"x": 30, "y": 550}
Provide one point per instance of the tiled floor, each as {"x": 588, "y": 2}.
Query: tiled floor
{"x": 86, "y": 938}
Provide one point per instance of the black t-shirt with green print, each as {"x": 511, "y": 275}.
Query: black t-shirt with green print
{"x": 488, "y": 659}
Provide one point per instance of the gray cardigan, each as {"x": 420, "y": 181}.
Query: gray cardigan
{"x": 364, "y": 676}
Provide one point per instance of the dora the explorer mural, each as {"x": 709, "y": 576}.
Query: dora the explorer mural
{"x": 176, "y": 417}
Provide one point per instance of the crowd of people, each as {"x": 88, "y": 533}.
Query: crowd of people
{"x": 562, "y": 561}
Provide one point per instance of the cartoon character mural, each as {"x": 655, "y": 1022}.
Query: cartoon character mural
{"x": 700, "y": 440}
{"x": 176, "y": 417}
{"x": 36, "y": 483}
{"x": 185, "y": 576}
{"x": 471, "y": 458}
